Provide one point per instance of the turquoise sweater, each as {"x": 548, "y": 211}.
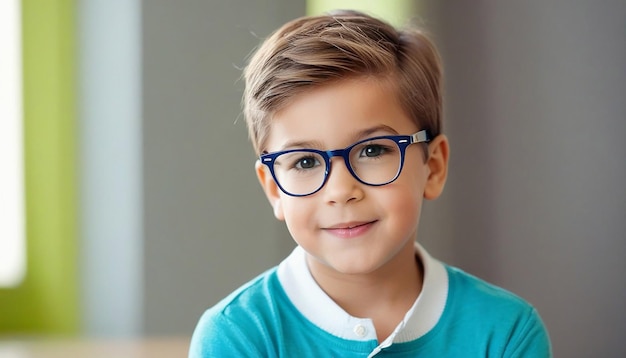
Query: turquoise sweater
{"x": 479, "y": 320}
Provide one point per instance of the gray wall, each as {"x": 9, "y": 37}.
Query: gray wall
{"x": 536, "y": 115}
{"x": 208, "y": 227}
{"x": 172, "y": 218}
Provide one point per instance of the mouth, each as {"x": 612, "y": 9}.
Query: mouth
{"x": 350, "y": 229}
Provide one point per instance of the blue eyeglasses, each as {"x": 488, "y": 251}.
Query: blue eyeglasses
{"x": 374, "y": 161}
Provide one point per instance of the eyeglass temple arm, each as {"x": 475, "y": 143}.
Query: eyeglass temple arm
{"x": 420, "y": 137}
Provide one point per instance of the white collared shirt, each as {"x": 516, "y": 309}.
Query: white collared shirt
{"x": 321, "y": 310}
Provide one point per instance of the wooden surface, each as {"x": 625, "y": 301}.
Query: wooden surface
{"x": 96, "y": 348}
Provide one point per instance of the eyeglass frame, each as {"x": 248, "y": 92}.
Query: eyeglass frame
{"x": 402, "y": 141}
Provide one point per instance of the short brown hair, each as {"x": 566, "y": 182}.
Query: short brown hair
{"x": 316, "y": 50}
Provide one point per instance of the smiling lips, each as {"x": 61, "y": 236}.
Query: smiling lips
{"x": 350, "y": 230}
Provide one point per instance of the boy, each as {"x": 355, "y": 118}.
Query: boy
{"x": 344, "y": 112}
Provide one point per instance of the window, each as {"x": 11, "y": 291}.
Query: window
{"x": 12, "y": 221}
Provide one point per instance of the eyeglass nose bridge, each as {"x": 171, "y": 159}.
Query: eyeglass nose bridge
{"x": 345, "y": 154}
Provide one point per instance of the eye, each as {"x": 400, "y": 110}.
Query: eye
{"x": 306, "y": 163}
{"x": 373, "y": 150}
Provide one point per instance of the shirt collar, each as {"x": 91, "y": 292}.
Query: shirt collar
{"x": 319, "y": 308}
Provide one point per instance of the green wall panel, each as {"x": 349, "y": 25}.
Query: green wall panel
{"x": 47, "y": 301}
{"x": 396, "y": 12}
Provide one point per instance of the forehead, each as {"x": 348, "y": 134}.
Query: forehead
{"x": 337, "y": 114}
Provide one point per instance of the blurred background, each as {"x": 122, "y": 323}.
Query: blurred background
{"x": 141, "y": 205}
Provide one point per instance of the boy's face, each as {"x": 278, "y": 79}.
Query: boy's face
{"x": 349, "y": 227}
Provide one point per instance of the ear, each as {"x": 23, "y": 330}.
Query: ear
{"x": 272, "y": 191}
{"x": 438, "y": 151}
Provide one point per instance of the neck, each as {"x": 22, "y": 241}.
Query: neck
{"x": 384, "y": 295}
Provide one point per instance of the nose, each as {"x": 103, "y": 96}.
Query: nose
{"x": 341, "y": 187}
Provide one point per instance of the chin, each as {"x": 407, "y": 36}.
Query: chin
{"x": 354, "y": 268}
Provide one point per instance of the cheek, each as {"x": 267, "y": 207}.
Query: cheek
{"x": 403, "y": 213}
{"x": 405, "y": 202}
{"x": 298, "y": 214}
{"x": 404, "y": 197}
{"x": 413, "y": 179}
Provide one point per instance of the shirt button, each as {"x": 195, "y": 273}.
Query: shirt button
{"x": 360, "y": 330}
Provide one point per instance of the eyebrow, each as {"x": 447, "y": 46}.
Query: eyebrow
{"x": 360, "y": 135}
